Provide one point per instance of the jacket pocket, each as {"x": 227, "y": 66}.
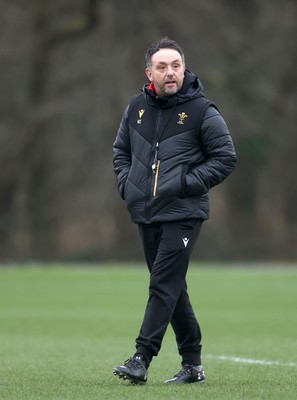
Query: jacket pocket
{"x": 194, "y": 186}
{"x": 171, "y": 183}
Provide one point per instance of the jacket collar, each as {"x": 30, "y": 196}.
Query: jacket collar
{"x": 191, "y": 88}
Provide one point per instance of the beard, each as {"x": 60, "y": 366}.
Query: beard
{"x": 169, "y": 90}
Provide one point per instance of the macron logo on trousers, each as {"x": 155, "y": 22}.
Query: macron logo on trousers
{"x": 186, "y": 241}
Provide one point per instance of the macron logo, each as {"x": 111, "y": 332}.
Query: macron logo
{"x": 186, "y": 241}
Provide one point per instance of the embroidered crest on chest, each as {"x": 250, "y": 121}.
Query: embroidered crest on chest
{"x": 182, "y": 116}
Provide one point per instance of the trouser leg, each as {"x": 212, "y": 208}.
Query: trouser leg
{"x": 167, "y": 249}
{"x": 187, "y": 330}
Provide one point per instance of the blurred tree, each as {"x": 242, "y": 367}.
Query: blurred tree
{"x": 69, "y": 69}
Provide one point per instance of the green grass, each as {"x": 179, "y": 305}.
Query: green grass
{"x": 62, "y": 329}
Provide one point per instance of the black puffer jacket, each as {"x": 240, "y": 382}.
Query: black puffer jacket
{"x": 187, "y": 141}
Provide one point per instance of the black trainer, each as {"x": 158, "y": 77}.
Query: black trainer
{"x": 188, "y": 374}
{"x": 134, "y": 370}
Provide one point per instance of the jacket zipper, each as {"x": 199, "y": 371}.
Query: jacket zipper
{"x": 156, "y": 162}
{"x": 156, "y": 178}
{"x": 155, "y": 168}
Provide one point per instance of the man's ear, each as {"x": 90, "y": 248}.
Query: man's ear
{"x": 148, "y": 74}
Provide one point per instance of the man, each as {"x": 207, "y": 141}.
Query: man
{"x": 171, "y": 148}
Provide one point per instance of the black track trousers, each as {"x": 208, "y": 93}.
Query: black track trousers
{"x": 167, "y": 248}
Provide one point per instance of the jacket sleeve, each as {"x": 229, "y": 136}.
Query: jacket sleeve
{"x": 219, "y": 152}
{"x": 122, "y": 153}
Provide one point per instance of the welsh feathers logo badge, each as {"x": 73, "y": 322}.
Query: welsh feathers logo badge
{"x": 182, "y": 116}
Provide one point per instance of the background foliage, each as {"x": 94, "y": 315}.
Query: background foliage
{"x": 68, "y": 70}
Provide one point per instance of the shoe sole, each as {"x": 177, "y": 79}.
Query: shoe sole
{"x": 126, "y": 377}
{"x": 184, "y": 383}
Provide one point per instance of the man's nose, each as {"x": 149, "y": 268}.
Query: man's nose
{"x": 169, "y": 70}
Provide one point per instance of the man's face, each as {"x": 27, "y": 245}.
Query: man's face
{"x": 167, "y": 72}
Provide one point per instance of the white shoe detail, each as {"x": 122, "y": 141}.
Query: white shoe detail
{"x": 171, "y": 380}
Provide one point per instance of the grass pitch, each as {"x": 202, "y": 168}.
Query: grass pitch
{"x": 63, "y": 328}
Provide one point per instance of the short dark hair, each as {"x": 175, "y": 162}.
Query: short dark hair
{"x": 164, "y": 43}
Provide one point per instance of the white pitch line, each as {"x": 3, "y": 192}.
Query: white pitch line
{"x": 250, "y": 361}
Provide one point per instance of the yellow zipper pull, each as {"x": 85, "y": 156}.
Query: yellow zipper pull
{"x": 156, "y": 178}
